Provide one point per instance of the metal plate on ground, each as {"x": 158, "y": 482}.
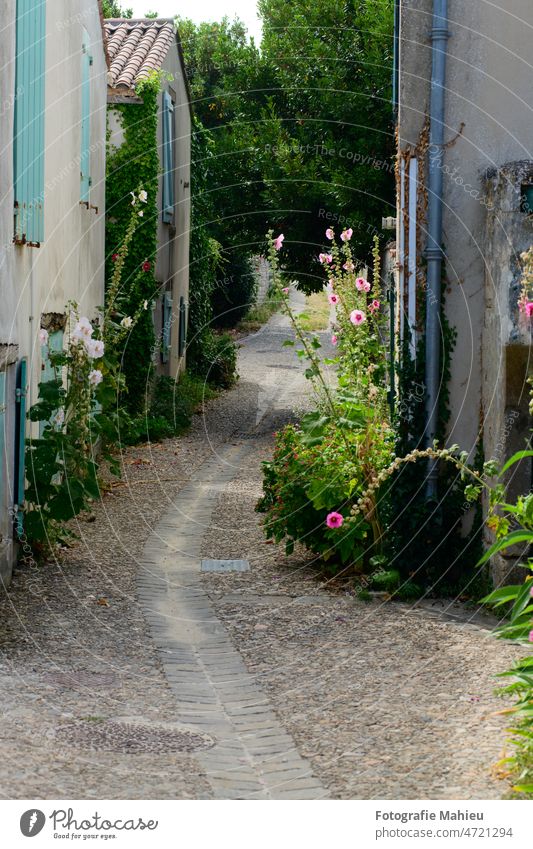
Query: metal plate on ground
{"x": 225, "y": 566}
{"x": 129, "y": 739}
{"x": 82, "y": 679}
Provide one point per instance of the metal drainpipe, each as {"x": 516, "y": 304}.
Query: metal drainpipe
{"x": 439, "y": 38}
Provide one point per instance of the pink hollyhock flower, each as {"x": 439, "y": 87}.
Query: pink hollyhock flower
{"x": 334, "y": 339}
{"x": 531, "y": 636}
{"x": 346, "y": 235}
{"x": 279, "y": 242}
{"x": 528, "y": 309}
{"x": 94, "y": 348}
{"x": 147, "y": 265}
{"x": 335, "y": 520}
{"x": 330, "y": 234}
{"x": 114, "y": 257}
{"x": 325, "y": 258}
{"x": 374, "y": 306}
{"x": 531, "y": 591}
{"x": 362, "y": 284}
{"x": 333, "y": 298}
{"x": 285, "y": 290}
{"x": 357, "y": 317}
{"x": 95, "y": 377}
{"x": 43, "y": 336}
{"x": 348, "y": 266}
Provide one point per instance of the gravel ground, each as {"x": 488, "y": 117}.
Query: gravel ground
{"x": 385, "y": 701}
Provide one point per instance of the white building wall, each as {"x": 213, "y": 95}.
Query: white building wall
{"x": 69, "y": 264}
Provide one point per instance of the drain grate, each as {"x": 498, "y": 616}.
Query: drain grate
{"x": 225, "y": 566}
{"x": 81, "y": 679}
{"x": 124, "y": 738}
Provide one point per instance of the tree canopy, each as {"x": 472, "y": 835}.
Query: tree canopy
{"x": 302, "y": 128}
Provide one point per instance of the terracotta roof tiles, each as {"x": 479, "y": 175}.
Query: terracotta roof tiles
{"x": 136, "y": 47}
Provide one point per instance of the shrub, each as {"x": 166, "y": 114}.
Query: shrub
{"x": 172, "y": 407}
{"x": 235, "y": 293}
{"x": 216, "y": 361}
{"x": 322, "y": 468}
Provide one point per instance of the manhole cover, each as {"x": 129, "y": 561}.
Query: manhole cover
{"x": 225, "y": 566}
{"x": 81, "y": 679}
{"x": 121, "y": 737}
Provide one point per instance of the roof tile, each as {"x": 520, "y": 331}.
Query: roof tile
{"x": 136, "y": 48}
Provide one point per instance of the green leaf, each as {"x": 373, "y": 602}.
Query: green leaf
{"x": 502, "y": 595}
{"x": 520, "y": 455}
{"x": 511, "y": 539}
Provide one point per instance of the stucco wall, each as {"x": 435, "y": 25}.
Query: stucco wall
{"x": 69, "y": 263}
{"x": 488, "y": 122}
{"x": 172, "y": 267}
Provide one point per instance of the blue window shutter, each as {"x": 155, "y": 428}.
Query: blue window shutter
{"x": 20, "y": 443}
{"x": 167, "y": 326}
{"x": 183, "y": 326}
{"x": 168, "y": 158}
{"x": 2, "y": 438}
{"x": 85, "y": 160}
{"x": 55, "y": 343}
{"x": 28, "y": 147}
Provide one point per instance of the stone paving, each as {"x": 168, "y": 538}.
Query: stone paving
{"x": 127, "y": 672}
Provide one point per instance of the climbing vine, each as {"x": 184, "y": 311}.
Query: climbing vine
{"x": 134, "y": 163}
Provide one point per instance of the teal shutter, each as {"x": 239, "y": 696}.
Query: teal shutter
{"x": 55, "y": 343}
{"x": 167, "y": 326}
{"x": 168, "y": 158}
{"x": 183, "y": 327}
{"x": 85, "y": 160}
{"x": 20, "y": 443}
{"x": 28, "y": 146}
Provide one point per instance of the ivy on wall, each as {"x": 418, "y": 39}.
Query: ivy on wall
{"x": 133, "y": 165}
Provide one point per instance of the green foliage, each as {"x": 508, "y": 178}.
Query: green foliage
{"x": 302, "y": 485}
{"x": 217, "y": 361}
{"x": 114, "y": 10}
{"x": 61, "y": 469}
{"x": 170, "y": 413}
{"x": 235, "y": 292}
{"x": 308, "y": 116}
{"x": 426, "y": 542}
{"x": 135, "y": 163}
{"x": 326, "y": 464}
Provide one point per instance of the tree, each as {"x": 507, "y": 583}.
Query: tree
{"x": 333, "y": 161}
{"x": 302, "y": 130}
{"x": 114, "y": 10}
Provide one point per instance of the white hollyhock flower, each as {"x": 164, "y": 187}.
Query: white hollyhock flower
{"x": 43, "y": 336}
{"x": 83, "y": 330}
{"x": 94, "y": 348}
{"x": 127, "y": 321}
{"x": 145, "y": 305}
{"x": 143, "y": 196}
{"x": 133, "y": 198}
{"x": 141, "y": 213}
{"x": 95, "y": 377}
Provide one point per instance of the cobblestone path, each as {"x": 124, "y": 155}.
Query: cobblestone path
{"x": 127, "y": 672}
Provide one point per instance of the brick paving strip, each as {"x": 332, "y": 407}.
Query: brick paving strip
{"x": 253, "y": 756}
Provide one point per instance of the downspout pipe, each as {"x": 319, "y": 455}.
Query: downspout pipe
{"x": 434, "y": 252}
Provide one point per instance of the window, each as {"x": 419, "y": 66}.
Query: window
{"x": 168, "y": 158}
{"x": 85, "y": 160}
{"x": 28, "y": 142}
{"x": 167, "y": 326}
